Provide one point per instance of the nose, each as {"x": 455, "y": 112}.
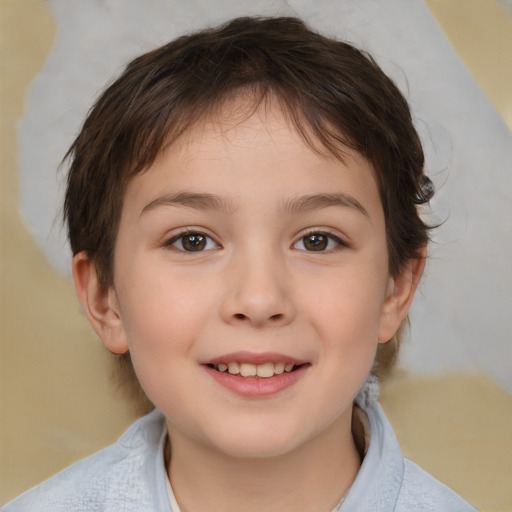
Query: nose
{"x": 258, "y": 292}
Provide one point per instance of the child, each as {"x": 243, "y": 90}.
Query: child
{"x": 242, "y": 207}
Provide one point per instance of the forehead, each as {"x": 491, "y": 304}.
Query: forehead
{"x": 242, "y": 146}
{"x": 247, "y": 108}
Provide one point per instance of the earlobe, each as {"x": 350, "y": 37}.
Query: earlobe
{"x": 399, "y": 296}
{"x": 100, "y": 306}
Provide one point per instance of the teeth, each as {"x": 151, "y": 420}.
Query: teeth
{"x": 264, "y": 371}
{"x": 233, "y": 368}
{"x": 248, "y": 370}
{"x": 279, "y": 368}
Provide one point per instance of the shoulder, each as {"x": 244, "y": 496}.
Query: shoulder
{"x": 120, "y": 477}
{"x": 388, "y": 482}
{"x": 420, "y": 489}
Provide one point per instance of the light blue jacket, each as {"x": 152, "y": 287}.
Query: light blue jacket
{"x": 130, "y": 476}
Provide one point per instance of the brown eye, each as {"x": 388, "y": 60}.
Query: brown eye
{"x": 319, "y": 242}
{"x": 192, "y": 242}
{"x": 315, "y": 242}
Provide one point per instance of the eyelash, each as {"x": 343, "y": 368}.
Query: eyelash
{"x": 340, "y": 244}
{"x": 170, "y": 243}
{"x": 203, "y": 241}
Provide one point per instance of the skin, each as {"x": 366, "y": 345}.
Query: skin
{"x": 255, "y": 287}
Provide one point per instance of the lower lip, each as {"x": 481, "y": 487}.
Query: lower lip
{"x": 253, "y": 387}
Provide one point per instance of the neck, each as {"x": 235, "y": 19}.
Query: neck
{"x": 312, "y": 478}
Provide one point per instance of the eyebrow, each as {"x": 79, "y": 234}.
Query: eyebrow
{"x": 200, "y": 201}
{"x": 312, "y": 202}
{"x": 301, "y": 204}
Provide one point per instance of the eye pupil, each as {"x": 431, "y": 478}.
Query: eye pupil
{"x": 194, "y": 242}
{"x": 315, "y": 242}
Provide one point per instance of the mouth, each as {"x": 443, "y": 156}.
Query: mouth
{"x": 259, "y": 371}
{"x": 256, "y": 375}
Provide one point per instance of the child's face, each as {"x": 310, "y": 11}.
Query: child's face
{"x": 242, "y": 245}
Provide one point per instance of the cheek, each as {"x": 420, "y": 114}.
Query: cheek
{"x": 163, "y": 318}
{"x": 163, "y": 315}
{"x": 348, "y": 309}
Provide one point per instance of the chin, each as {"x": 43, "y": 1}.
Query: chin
{"x": 257, "y": 441}
{"x": 257, "y": 449}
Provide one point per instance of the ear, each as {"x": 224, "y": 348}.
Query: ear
{"x": 100, "y": 306}
{"x": 399, "y": 295}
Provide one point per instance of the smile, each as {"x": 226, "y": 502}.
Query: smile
{"x": 256, "y": 375}
{"x": 263, "y": 371}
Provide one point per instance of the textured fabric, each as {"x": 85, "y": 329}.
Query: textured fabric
{"x": 130, "y": 475}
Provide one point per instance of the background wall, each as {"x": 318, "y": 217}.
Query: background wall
{"x": 450, "y": 402}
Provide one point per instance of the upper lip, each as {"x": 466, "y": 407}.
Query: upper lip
{"x": 254, "y": 358}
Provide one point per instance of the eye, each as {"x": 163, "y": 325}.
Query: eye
{"x": 192, "y": 242}
{"x": 319, "y": 241}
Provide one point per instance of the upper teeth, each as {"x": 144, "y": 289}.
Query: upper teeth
{"x": 264, "y": 370}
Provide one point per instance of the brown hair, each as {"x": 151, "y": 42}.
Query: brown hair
{"x": 335, "y": 96}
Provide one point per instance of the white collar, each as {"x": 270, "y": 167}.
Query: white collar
{"x": 172, "y": 498}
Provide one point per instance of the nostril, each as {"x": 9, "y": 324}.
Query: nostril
{"x": 239, "y": 316}
{"x": 276, "y": 317}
